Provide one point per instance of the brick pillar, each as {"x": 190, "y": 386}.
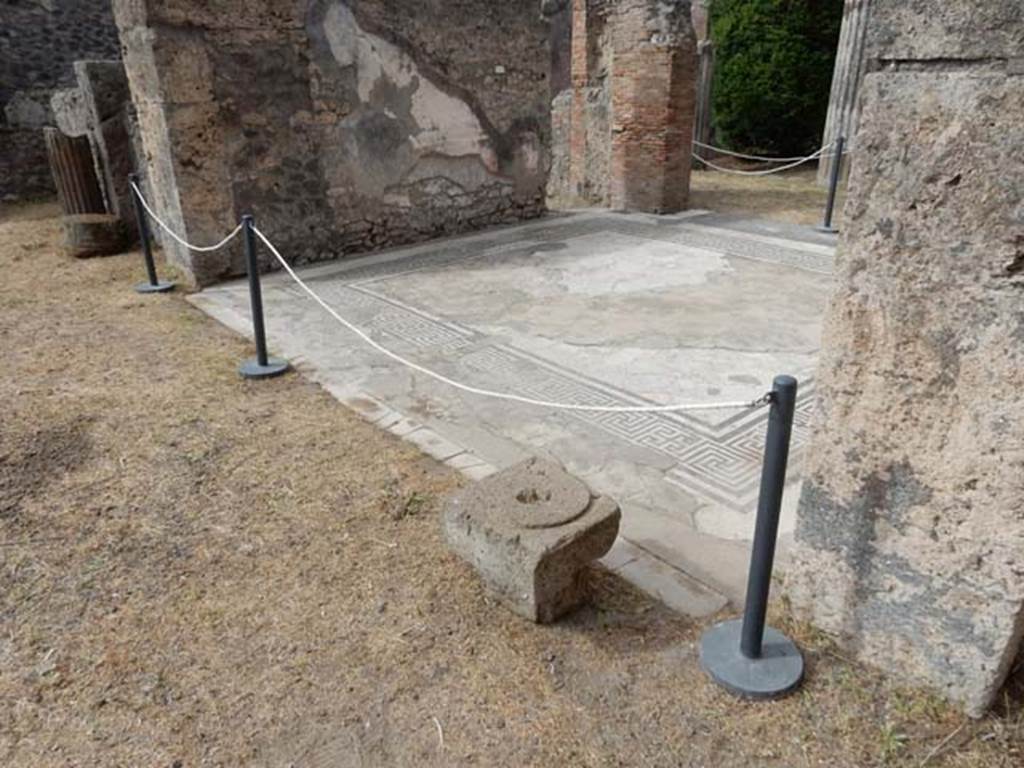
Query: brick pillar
{"x": 654, "y": 73}
{"x": 580, "y": 81}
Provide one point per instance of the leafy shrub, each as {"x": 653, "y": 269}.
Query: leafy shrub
{"x": 773, "y": 72}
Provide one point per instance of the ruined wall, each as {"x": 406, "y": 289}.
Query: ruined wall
{"x": 623, "y": 128}
{"x": 39, "y": 41}
{"x": 343, "y": 126}
{"x": 910, "y": 530}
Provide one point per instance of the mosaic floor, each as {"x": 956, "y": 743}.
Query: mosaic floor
{"x": 592, "y": 308}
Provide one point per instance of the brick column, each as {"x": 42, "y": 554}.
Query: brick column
{"x": 846, "y": 78}
{"x": 654, "y": 73}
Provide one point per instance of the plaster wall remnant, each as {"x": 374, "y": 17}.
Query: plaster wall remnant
{"x": 910, "y": 530}
{"x": 39, "y": 42}
{"x": 623, "y": 135}
{"x": 343, "y": 125}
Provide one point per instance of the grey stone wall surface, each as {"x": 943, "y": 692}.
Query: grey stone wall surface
{"x": 597, "y": 106}
{"x": 39, "y": 42}
{"x": 964, "y": 31}
{"x": 560, "y": 191}
{"x": 910, "y": 532}
{"x": 344, "y": 126}
{"x": 592, "y": 184}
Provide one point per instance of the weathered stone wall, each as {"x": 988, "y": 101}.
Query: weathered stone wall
{"x": 624, "y": 128}
{"x": 910, "y": 532}
{"x": 39, "y": 41}
{"x": 344, "y": 126}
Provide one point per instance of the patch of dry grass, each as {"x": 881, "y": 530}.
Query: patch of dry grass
{"x": 792, "y": 196}
{"x": 197, "y": 570}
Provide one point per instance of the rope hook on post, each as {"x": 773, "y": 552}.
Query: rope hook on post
{"x": 743, "y": 655}
{"x": 263, "y": 366}
{"x": 154, "y": 285}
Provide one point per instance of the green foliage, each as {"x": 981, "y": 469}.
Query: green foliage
{"x": 773, "y": 72}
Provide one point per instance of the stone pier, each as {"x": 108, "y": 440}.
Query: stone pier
{"x": 910, "y": 530}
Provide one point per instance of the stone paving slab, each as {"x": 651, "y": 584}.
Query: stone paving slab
{"x": 597, "y": 308}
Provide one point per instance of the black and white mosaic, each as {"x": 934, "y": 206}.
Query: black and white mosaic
{"x": 718, "y": 461}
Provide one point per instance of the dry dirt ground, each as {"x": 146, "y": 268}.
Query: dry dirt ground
{"x": 200, "y": 571}
{"x": 792, "y": 196}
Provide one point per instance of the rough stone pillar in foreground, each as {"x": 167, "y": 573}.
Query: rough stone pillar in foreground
{"x": 841, "y": 118}
{"x": 653, "y": 100}
{"x": 910, "y": 529}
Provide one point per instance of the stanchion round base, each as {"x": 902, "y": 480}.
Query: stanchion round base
{"x": 251, "y": 369}
{"x": 160, "y": 287}
{"x": 827, "y": 230}
{"x": 778, "y": 672}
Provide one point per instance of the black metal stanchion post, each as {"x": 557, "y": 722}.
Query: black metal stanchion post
{"x": 833, "y": 186}
{"x": 154, "y": 285}
{"x": 744, "y": 656}
{"x": 263, "y": 367}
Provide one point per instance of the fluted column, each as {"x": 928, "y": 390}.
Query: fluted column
{"x": 846, "y": 77}
{"x": 74, "y": 173}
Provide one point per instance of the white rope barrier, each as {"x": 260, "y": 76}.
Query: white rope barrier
{"x": 169, "y": 231}
{"x": 763, "y": 400}
{"x": 767, "y": 172}
{"x": 736, "y": 405}
{"x": 758, "y": 158}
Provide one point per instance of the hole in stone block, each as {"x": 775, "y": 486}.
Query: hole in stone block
{"x": 533, "y": 496}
